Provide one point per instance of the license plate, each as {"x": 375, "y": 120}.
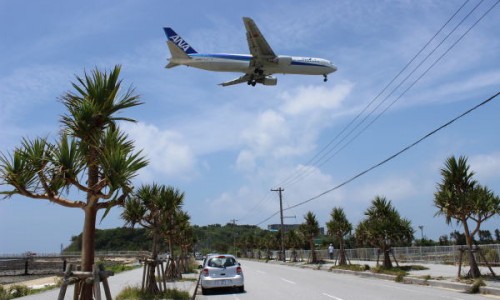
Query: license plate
{"x": 225, "y": 282}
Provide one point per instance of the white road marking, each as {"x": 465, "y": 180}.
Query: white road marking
{"x": 333, "y": 297}
{"x": 288, "y": 281}
{"x": 261, "y": 272}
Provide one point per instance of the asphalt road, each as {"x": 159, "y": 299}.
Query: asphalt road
{"x": 279, "y": 282}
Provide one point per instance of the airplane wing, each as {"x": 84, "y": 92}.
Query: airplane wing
{"x": 259, "y": 48}
{"x": 244, "y": 78}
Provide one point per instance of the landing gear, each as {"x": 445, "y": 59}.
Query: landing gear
{"x": 325, "y": 78}
{"x": 252, "y": 82}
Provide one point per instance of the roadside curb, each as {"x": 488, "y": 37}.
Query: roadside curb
{"x": 458, "y": 286}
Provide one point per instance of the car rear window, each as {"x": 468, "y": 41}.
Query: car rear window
{"x": 221, "y": 262}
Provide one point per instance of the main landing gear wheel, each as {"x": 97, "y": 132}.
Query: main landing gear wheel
{"x": 259, "y": 71}
{"x": 325, "y": 79}
{"x": 252, "y": 82}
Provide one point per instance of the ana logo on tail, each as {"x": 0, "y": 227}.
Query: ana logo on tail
{"x": 178, "y": 41}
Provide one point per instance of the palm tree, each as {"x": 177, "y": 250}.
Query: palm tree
{"x": 339, "y": 226}
{"x": 147, "y": 208}
{"x": 460, "y": 197}
{"x": 91, "y": 156}
{"x": 185, "y": 238}
{"x": 310, "y": 229}
{"x": 175, "y": 199}
{"x": 383, "y": 227}
{"x": 293, "y": 241}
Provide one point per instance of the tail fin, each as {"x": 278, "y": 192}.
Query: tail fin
{"x": 178, "y": 41}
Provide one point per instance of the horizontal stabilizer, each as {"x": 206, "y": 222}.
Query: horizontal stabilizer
{"x": 171, "y": 65}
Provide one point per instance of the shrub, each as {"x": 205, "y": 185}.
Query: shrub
{"x": 19, "y": 290}
{"x": 474, "y": 289}
{"x": 134, "y": 293}
{"x": 4, "y": 295}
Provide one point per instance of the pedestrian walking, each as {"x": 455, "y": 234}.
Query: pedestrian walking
{"x": 330, "y": 251}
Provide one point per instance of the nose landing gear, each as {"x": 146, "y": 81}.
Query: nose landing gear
{"x": 325, "y": 78}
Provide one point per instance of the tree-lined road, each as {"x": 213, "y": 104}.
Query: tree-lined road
{"x": 279, "y": 282}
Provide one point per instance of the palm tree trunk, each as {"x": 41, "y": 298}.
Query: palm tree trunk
{"x": 311, "y": 243}
{"x": 342, "y": 259}
{"x": 387, "y": 258}
{"x": 88, "y": 248}
{"x": 474, "y": 269}
{"x": 152, "y": 286}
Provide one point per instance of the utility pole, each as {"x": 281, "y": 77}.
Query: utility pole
{"x": 234, "y": 236}
{"x": 279, "y": 190}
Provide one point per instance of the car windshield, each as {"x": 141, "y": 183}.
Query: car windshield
{"x": 221, "y": 262}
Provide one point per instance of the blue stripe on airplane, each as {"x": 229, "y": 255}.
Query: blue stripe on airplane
{"x": 241, "y": 57}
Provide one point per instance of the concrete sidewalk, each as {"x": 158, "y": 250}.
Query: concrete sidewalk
{"x": 120, "y": 281}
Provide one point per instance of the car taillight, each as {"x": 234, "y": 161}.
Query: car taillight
{"x": 239, "y": 270}
{"x": 205, "y": 272}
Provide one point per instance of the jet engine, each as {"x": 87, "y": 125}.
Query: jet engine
{"x": 268, "y": 80}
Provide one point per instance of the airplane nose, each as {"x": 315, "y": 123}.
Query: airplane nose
{"x": 333, "y": 68}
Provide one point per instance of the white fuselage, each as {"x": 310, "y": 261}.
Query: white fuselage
{"x": 240, "y": 63}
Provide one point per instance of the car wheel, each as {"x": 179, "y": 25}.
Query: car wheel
{"x": 241, "y": 289}
{"x": 203, "y": 291}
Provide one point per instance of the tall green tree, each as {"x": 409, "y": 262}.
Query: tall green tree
{"x": 147, "y": 208}
{"x": 459, "y": 197}
{"x": 91, "y": 155}
{"x": 293, "y": 240}
{"x": 339, "y": 227}
{"x": 383, "y": 227}
{"x": 310, "y": 230}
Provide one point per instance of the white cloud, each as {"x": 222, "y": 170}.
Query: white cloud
{"x": 486, "y": 166}
{"x": 166, "y": 150}
{"x": 312, "y": 99}
{"x": 245, "y": 161}
{"x": 270, "y": 129}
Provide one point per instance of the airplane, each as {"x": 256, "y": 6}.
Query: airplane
{"x": 257, "y": 66}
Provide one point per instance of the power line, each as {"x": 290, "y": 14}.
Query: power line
{"x": 296, "y": 176}
{"x": 303, "y": 172}
{"x": 389, "y": 158}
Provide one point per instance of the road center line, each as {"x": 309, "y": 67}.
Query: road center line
{"x": 333, "y": 297}
{"x": 288, "y": 281}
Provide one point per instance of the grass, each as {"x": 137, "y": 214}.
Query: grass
{"x": 135, "y": 293}
{"x": 120, "y": 268}
{"x": 18, "y": 290}
{"x": 357, "y": 268}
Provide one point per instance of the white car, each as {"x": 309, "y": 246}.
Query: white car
{"x": 221, "y": 271}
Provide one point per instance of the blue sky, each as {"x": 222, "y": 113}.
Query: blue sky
{"x": 227, "y": 147}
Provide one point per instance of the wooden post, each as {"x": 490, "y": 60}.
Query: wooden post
{"x": 163, "y": 279}
{"x": 487, "y": 263}
{"x": 460, "y": 262}
{"x": 64, "y": 286}
{"x": 96, "y": 280}
{"x": 393, "y": 256}
{"x": 104, "y": 278}
{"x": 157, "y": 266}
{"x": 144, "y": 275}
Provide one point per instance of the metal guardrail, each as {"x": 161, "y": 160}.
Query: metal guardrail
{"x": 74, "y": 254}
{"x": 430, "y": 254}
